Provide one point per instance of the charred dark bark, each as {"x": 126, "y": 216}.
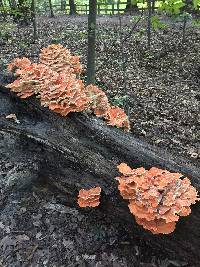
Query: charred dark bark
{"x": 79, "y": 152}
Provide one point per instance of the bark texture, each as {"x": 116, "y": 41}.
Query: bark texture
{"x": 80, "y": 152}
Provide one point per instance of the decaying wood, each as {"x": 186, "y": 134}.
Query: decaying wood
{"x": 80, "y": 151}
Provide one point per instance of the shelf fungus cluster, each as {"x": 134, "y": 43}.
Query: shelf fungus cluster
{"x": 157, "y": 198}
{"x": 32, "y": 79}
{"x": 65, "y": 97}
{"x": 101, "y": 107}
{"x": 59, "y": 59}
{"x": 19, "y": 63}
{"x": 117, "y": 117}
{"x": 89, "y": 198}
{"x": 54, "y": 80}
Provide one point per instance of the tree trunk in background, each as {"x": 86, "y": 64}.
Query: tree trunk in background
{"x": 33, "y": 20}
{"x": 131, "y": 7}
{"x": 72, "y": 7}
{"x": 51, "y": 9}
{"x": 188, "y": 6}
{"x": 23, "y": 15}
{"x": 63, "y": 5}
{"x": 21, "y": 2}
{"x": 149, "y": 6}
{"x": 153, "y": 6}
{"x": 91, "y": 41}
{"x": 13, "y": 7}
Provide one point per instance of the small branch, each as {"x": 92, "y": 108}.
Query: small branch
{"x": 133, "y": 28}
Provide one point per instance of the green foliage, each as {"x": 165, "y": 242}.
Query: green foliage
{"x": 181, "y": 17}
{"x": 142, "y": 31}
{"x": 119, "y": 100}
{"x": 196, "y": 22}
{"x": 4, "y": 9}
{"x": 186, "y": 15}
{"x": 172, "y": 6}
{"x": 149, "y": 55}
{"x": 83, "y": 34}
{"x": 134, "y": 19}
{"x": 196, "y": 4}
{"x": 56, "y": 40}
{"x": 23, "y": 45}
{"x": 134, "y": 2}
{"x": 16, "y": 12}
{"x": 6, "y": 30}
{"x": 157, "y": 24}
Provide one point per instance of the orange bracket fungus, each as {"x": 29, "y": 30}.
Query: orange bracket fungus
{"x": 65, "y": 96}
{"x": 89, "y": 198}
{"x": 54, "y": 80}
{"x": 117, "y": 117}
{"x": 59, "y": 59}
{"x": 157, "y": 198}
{"x": 99, "y": 101}
{"x": 19, "y": 63}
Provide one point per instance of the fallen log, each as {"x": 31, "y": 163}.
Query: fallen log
{"x": 80, "y": 151}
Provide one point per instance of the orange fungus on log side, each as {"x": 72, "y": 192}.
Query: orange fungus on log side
{"x": 89, "y": 198}
{"x": 157, "y": 198}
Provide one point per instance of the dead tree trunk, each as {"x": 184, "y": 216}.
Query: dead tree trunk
{"x": 79, "y": 152}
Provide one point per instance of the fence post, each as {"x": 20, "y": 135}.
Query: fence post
{"x": 86, "y": 8}
{"x": 118, "y": 7}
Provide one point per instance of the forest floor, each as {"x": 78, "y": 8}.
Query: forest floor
{"x": 159, "y": 88}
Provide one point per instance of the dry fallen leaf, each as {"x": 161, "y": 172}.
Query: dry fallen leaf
{"x": 13, "y": 117}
